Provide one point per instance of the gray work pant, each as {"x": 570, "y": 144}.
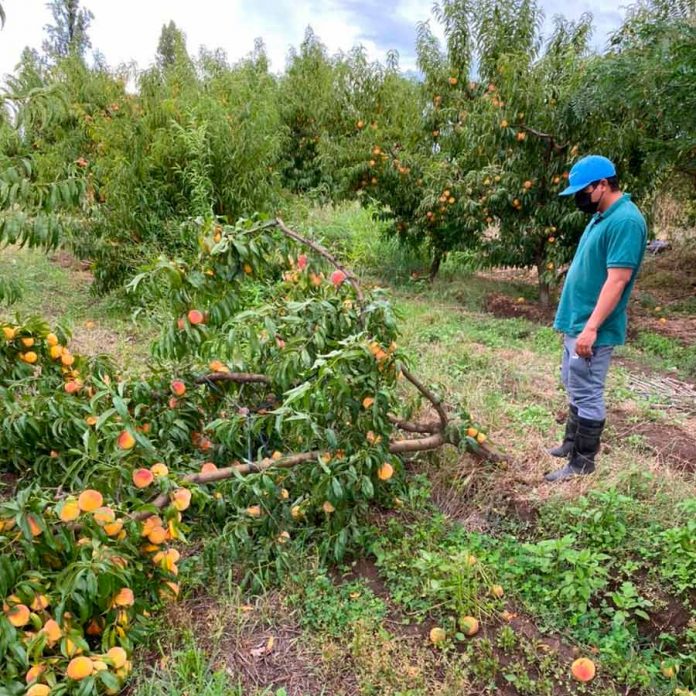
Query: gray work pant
{"x": 584, "y": 379}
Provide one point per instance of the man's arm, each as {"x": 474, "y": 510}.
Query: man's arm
{"x": 609, "y": 297}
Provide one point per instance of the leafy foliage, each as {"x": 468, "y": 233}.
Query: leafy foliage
{"x": 293, "y": 422}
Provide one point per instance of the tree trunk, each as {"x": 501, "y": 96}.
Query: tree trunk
{"x": 544, "y": 287}
{"x": 438, "y": 257}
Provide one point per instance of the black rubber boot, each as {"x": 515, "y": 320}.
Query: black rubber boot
{"x": 581, "y": 461}
{"x": 566, "y": 447}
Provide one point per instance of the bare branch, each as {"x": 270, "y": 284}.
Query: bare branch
{"x": 409, "y": 427}
{"x": 420, "y": 444}
{"x": 435, "y": 401}
{"x": 545, "y": 136}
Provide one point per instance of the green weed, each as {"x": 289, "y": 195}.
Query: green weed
{"x": 333, "y": 609}
{"x": 187, "y": 670}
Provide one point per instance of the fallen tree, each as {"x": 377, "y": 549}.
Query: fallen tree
{"x": 276, "y": 409}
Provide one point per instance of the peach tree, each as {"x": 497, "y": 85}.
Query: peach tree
{"x": 495, "y": 149}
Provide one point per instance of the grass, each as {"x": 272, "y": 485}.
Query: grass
{"x": 59, "y": 291}
{"x": 186, "y": 670}
{"x": 581, "y": 564}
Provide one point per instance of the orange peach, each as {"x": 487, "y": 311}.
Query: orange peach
{"x": 69, "y": 511}
{"x": 90, "y": 500}
{"x": 126, "y": 441}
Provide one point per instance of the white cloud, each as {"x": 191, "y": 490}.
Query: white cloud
{"x": 129, "y": 29}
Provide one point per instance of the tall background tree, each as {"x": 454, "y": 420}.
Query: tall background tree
{"x": 68, "y": 33}
{"x": 171, "y": 46}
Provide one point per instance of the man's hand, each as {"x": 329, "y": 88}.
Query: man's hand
{"x": 585, "y": 341}
{"x": 609, "y": 297}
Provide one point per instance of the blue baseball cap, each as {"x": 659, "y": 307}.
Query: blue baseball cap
{"x": 586, "y": 170}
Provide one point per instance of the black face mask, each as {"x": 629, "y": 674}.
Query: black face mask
{"x": 584, "y": 202}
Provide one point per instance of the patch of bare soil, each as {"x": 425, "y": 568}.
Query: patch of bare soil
{"x": 680, "y": 328}
{"x": 506, "y": 307}
{"x": 95, "y": 340}
{"x": 8, "y": 483}
{"x": 260, "y": 647}
{"x": 671, "y": 275}
{"x": 65, "y": 259}
{"x": 670, "y": 445}
{"x": 365, "y": 569}
{"x": 671, "y": 617}
{"x": 541, "y": 644}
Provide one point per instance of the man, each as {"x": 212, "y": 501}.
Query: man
{"x": 592, "y": 311}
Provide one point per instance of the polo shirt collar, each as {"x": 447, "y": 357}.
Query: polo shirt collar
{"x": 614, "y": 206}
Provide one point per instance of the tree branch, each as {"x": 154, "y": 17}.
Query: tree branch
{"x": 435, "y": 401}
{"x": 409, "y": 427}
{"x": 228, "y": 472}
{"x": 545, "y": 136}
{"x": 420, "y": 444}
{"x": 237, "y": 377}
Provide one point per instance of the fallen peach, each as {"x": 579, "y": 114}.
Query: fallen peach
{"x": 583, "y": 669}
{"x": 437, "y": 635}
{"x": 468, "y": 625}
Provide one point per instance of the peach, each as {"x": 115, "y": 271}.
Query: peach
{"x": 79, "y": 668}
{"x": 53, "y": 631}
{"x": 337, "y": 278}
{"x": 118, "y": 656}
{"x": 583, "y": 669}
{"x": 90, "y": 500}
{"x": 437, "y": 635}
{"x": 196, "y": 317}
{"x": 104, "y": 516}
{"x": 385, "y": 472}
{"x": 35, "y": 671}
{"x": 123, "y": 598}
{"x": 142, "y": 478}
{"x": 113, "y": 528}
{"x": 468, "y": 625}
{"x": 126, "y": 441}
{"x": 18, "y": 615}
{"x": 158, "y": 470}
{"x": 181, "y": 499}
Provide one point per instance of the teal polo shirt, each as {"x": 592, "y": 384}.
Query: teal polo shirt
{"x": 615, "y": 238}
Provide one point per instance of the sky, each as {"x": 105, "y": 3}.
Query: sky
{"x": 128, "y": 30}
